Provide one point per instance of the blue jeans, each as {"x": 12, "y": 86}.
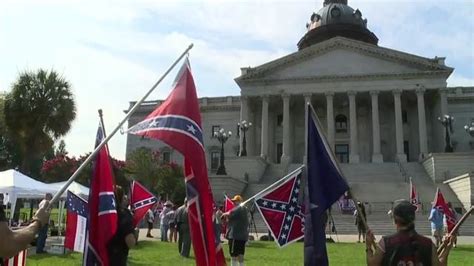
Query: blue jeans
{"x": 164, "y": 232}
{"x": 41, "y": 240}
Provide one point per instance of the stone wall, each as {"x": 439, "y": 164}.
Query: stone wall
{"x": 463, "y": 186}
{"x": 443, "y": 166}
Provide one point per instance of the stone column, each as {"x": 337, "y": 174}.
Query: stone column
{"x": 376, "y": 155}
{"x": 401, "y": 156}
{"x": 264, "y": 133}
{"x": 285, "y": 157}
{"x": 243, "y": 116}
{"x": 444, "y": 101}
{"x": 307, "y": 100}
{"x": 354, "y": 149}
{"x": 330, "y": 117}
{"x": 420, "y": 99}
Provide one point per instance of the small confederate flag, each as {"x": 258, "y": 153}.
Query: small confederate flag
{"x": 76, "y": 223}
{"x": 281, "y": 212}
{"x": 441, "y": 204}
{"x": 414, "y": 196}
{"x": 228, "y": 204}
{"x": 18, "y": 260}
{"x": 141, "y": 201}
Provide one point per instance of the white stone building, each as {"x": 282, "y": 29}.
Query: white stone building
{"x": 380, "y": 108}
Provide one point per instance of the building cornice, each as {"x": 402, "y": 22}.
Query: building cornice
{"x": 431, "y": 65}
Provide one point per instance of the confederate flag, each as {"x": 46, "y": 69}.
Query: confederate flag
{"x": 177, "y": 122}
{"x": 414, "y": 196}
{"x": 281, "y": 212}
{"x": 441, "y": 204}
{"x": 141, "y": 201}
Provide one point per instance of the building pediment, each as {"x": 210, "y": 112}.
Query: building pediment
{"x": 341, "y": 58}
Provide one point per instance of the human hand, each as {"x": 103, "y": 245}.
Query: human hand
{"x": 369, "y": 239}
{"x": 42, "y": 214}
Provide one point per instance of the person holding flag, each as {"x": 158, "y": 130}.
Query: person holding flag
{"x": 406, "y": 246}
{"x": 238, "y": 230}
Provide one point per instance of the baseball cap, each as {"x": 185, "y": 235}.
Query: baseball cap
{"x": 404, "y": 210}
{"x": 237, "y": 198}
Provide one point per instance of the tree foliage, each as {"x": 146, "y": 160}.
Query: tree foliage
{"x": 166, "y": 179}
{"x": 39, "y": 109}
{"x": 61, "y": 167}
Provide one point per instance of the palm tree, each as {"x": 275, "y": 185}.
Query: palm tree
{"x": 38, "y": 111}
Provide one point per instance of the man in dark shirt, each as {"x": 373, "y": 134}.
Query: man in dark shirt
{"x": 184, "y": 237}
{"x": 406, "y": 246}
{"x": 124, "y": 238}
{"x": 237, "y": 232}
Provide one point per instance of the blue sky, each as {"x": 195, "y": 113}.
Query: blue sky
{"x": 112, "y": 52}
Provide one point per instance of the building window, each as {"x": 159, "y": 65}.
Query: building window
{"x": 166, "y": 157}
{"x": 215, "y": 129}
{"x": 341, "y": 123}
{"x": 279, "y": 120}
{"x": 342, "y": 153}
{"x": 404, "y": 116}
{"x": 214, "y": 160}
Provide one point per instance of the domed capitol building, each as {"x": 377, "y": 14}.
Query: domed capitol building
{"x": 380, "y": 108}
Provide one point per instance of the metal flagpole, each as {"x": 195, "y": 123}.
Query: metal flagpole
{"x": 132, "y": 111}
{"x": 278, "y": 182}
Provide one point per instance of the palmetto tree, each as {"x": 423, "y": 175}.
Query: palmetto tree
{"x": 39, "y": 110}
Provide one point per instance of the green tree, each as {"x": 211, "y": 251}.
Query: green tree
{"x": 9, "y": 154}
{"x": 161, "y": 178}
{"x": 39, "y": 110}
{"x": 61, "y": 150}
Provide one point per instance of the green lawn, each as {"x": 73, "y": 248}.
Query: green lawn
{"x": 258, "y": 253}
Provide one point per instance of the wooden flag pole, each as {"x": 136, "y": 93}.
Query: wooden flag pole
{"x": 455, "y": 229}
{"x": 105, "y": 140}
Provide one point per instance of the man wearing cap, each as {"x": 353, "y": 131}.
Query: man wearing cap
{"x": 165, "y": 220}
{"x": 406, "y": 246}
{"x": 237, "y": 230}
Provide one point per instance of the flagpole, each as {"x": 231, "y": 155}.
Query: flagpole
{"x": 105, "y": 140}
{"x": 101, "y": 117}
{"x": 455, "y": 229}
{"x": 278, "y": 182}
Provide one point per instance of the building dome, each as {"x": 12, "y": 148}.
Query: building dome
{"x": 336, "y": 18}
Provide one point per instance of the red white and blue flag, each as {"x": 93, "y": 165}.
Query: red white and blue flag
{"x": 414, "y": 199}
{"x": 102, "y": 220}
{"x": 281, "y": 211}
{"x": 17, "y": 260}
{"x": 141, "y": 200}
{"x": 76, "y": 223}
{"x": 441, "y": 204}
{"x": 177, "y": 122}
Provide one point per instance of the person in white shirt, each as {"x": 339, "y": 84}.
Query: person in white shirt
{"x": 150, "y": 218}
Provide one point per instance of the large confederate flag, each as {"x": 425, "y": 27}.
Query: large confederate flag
{"x": 177, "y": 122}
{"x": 141, "y": 201}
{"x": 440, "y": 203}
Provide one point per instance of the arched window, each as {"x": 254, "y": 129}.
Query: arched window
{"x": 341, "y": 123}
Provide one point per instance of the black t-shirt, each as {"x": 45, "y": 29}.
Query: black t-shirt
{"x": 118, "y": 249}
{"x": 3, "y": 218}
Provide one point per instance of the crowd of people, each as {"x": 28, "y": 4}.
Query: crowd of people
{"x": 401, "y": 248}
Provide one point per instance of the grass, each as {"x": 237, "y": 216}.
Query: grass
{"x": 258, "y": 254}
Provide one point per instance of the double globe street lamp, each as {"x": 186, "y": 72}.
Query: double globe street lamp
{"x": 222, "y": 137}
{"x": 243, "y": 127}
{"x": 470, "y": 128}
{"x": 447, "y": 122}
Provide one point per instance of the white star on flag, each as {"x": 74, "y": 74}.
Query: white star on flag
{"x": 191, "y": 129}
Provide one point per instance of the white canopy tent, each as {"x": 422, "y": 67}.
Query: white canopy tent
{"x": 74, "y": 187}
{"x": 14, "y": 185}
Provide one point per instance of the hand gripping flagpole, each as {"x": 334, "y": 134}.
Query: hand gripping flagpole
{"x": 132, "y": 111}
{"x": 279, "y": 182}
{"x": 442, "y": 247}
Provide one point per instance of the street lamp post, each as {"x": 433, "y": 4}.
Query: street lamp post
{"x": 447, "y": 122}
{"x": 244, "y": 126}
{"x": 470, "y": 128}
{"x": 222, "y": 137}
